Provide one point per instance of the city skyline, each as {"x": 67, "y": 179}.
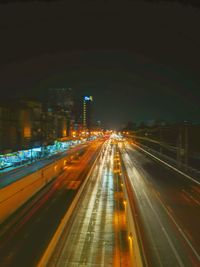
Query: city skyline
{"x": 149, "y": 68}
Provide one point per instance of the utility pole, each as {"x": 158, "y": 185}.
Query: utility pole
{"x": 186, "y": 147}
{"x": 179, "y": 148}
{"x": 161, "y": 149}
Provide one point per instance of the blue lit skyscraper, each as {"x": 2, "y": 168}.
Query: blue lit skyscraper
{"x": 87, "y": 112}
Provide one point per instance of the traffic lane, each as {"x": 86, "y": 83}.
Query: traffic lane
{"x": 159, "y": 248}
{"x": 162, "y": 243}
{"x": 82, "y": 235}
{"x": 180, "y": 195}
{"x": 19, "y": 173}
{"x": 26, "y": 245}
{"x": 20, "y": 212}
{"x": 91, "y": 237}
{"x": 20, "y": 234}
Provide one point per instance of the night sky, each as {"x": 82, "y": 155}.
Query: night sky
{"x": 140, "y": 60}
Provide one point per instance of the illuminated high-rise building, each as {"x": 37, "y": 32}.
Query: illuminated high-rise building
{"x": 87, "y": 112}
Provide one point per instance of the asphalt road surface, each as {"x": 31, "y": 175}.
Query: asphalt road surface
{"x": 26, "y": 234}
{"x": 168, "y": 210}
{"x": 96, "y": 235}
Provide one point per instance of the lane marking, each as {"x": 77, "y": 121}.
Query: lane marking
{"x": 170, "y": 166}
{"x": 181, "y": 231}
{"x": 165, "y": 232}
{"x": 179, "y": 228}
{"x": 127, "y": 164}
{"x": 191, "y": 197}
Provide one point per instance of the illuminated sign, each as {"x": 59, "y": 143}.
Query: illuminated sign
{"x": 88, "y": 98}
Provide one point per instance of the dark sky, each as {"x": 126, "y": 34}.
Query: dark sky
{"x": 140, "y": 60}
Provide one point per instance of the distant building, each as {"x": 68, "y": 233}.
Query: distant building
{"x": 97, "y": 126}
{"x": 48, "y": 128}
{"x": 30, "y": 124}
{"x": 61, "y": 101}
{"x": 26, "y": 125}
{"x": 54, "y": 126}
{"x": 20, "y": 126}
{"x": 87, "y": 112}
{"x": 9, "y": 130}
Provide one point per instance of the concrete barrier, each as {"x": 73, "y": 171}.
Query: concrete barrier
{"x": 137, "y": 253}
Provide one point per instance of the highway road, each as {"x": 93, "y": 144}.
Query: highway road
{"x": 27, "y": 233}
{"x": 96, "y": 234}
{"x": 168, "y": 210}
{"x": 18, "y": 173}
